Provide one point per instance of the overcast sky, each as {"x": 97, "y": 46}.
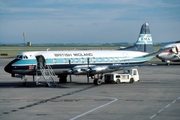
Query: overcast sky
{"x": 87, "y": 21}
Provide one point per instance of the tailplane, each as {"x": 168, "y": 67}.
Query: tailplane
{"x": 144, "y": 42}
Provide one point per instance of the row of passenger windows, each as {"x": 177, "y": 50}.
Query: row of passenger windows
{"x": 91, "y": 60}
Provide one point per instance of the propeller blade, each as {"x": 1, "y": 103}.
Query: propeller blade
{"x": 70, "y": 72}
{"x": 88, "y": 70}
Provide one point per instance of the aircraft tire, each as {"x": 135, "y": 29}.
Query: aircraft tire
{"x": 48, "y": 85}
{"x": 62, "y": 80}
{"x": 25, "y": 84}
{"x": 97, "y": 81}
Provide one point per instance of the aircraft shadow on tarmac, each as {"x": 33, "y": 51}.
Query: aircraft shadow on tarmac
{"x": 30, "y": 85}
{"x": 43, "y": 85}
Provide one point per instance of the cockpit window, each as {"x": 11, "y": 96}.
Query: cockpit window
{"x": 25, "y": 57}
{"x": 21, "y": 57}
{"x": 17, "y": 57}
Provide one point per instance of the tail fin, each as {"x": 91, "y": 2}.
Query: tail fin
{"x": 144, "y": 42}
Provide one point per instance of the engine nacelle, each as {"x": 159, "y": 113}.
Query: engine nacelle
{"x": 98, "y": 69}
{"x": 82, "y": 70}
{"x": 77, "y": 71}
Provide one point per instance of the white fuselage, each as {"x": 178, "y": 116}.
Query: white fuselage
{"x": 100, "y": 56}
{"x": 172, "y": 54}
{"x": 62, "y": 61}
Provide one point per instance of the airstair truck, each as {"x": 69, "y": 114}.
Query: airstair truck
{"x": 126, "y": 75}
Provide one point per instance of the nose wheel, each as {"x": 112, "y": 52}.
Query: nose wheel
{"x": 25, "y": 83}
{"x": 167, "y": 62}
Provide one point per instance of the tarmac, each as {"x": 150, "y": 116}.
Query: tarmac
{"x": 156, "y": 96}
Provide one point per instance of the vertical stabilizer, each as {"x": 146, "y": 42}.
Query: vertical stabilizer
{"x": 144, "y": 42}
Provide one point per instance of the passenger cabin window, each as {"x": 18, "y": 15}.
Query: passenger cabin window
{"x": 76, "y": 60}
{"x": 94, "y": 59}
{"x": 115, "y": 59}
{"x": 82, "y": 60}
{"x": 71, "y": 60}
{"x": 99, "y": 59}
{"x": 65, "y": 60}
{"x": 111, "y": 59}
{"x": 119, "y": 59}
{"x": 54, "y": 60}
{"x": 105, "y": 59}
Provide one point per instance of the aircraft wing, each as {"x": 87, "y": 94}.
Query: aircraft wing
{"x": 97, "y": 69}
{"x": 119, "y": 66}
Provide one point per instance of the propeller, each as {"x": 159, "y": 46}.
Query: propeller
{"x": 70, "y": 71}
{"x": 88, "y": 70}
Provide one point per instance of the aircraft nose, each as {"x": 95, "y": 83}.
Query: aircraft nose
{"x": 8, "y": 67}
{"x": 157, "y": 56}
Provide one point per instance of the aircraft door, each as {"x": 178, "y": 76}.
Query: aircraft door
{"x": 40, "y": 60}
{"x": 174, "y": 50}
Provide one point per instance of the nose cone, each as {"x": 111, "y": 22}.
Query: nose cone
{"x": 8, "y": 67}
{"x": 157, "y": 56}
{"x": 160, "y": 56}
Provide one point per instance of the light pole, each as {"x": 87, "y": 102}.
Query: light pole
{"x": 24, "y": 35}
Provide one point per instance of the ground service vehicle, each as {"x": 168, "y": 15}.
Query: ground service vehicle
{"x": 126, "y": 75}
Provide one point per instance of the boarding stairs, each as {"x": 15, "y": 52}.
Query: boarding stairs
{"x": 47, "y": 74}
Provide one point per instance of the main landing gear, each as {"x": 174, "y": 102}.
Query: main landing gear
{"x": 62, "y": 78}
{"x": 97, "y": 79}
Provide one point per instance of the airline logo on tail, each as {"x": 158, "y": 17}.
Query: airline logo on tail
{"x": 145, "y": 35}
{"x": 144, "y": 43}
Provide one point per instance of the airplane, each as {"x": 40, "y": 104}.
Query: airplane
{"x": 93, "y": 63}
{"x": 171, "y": 54}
